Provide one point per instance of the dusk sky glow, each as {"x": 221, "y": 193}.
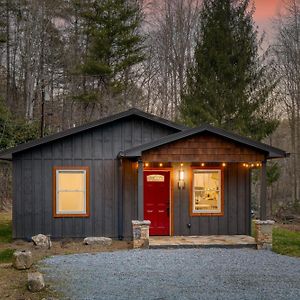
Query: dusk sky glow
{"x": 266, "y": 10}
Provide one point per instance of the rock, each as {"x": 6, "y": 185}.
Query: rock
{"x": 35, "y": 282}
{"x": 22, "y": 260}
{"x": 104, "y": 241}
{"x": 42, "y": 241}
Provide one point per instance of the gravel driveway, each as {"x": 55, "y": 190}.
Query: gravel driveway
{"x": 175, "y": 274}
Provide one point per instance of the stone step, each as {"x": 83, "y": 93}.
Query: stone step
{"x": 215, "y": 241}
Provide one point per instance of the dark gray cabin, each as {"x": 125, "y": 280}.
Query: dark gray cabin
{"x": 131, "y": 166}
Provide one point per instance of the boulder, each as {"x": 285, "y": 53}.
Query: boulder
{"x": 104, "y": 241}
{"x": 42, "y": 241}
{"x": 35, "y": 282}
{"x": 22, "y": 260}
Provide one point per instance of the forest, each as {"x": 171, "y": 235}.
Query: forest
{"x": 64, "y": 63}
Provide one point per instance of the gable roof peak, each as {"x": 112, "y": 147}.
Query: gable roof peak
{"x": 271, "y": 151}
{"x": 7, "y": 154}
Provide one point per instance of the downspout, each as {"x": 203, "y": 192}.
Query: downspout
{"x": 120, "y": 196}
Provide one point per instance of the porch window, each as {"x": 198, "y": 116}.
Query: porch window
{"x": 71, "y": 192}
{"x": 207, "y": 192}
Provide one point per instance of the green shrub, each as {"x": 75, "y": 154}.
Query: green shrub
{"x": 5, "y": 231}
{"x": 6, "y": 255}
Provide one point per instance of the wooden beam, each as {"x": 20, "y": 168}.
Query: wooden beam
{"x": 263, "y": 191}
{"x": 140, "y": 190}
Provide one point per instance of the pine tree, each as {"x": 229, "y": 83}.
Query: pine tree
{"x": 114, "y": 47}
{"x": 229, "y": 86}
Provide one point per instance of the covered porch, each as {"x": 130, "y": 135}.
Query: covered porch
{"x": 209, "y": 199}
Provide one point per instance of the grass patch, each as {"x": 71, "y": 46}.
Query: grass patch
{"x": 6, "y": 255}
{"x": 286, "y": 242}
{"x": 5, "y": 228}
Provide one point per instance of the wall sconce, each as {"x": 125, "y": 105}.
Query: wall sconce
{"x": 181, "y": 183}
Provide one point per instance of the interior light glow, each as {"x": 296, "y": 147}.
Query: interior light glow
{"x": 181, "y": 175}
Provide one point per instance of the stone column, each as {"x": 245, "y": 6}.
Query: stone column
{"x": 140, "y": 233}
{"x": 263, "y": 234}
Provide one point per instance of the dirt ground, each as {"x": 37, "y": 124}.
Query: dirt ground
{"x": 13, "y": 282}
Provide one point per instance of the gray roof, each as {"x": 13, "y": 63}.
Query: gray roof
{"x": 271, "y": 152}
{"x": 7, "y": 154}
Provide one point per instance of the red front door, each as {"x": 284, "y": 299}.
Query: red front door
{"x": 157, "y": 201}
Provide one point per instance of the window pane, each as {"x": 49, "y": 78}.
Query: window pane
{"x": 71, "y": 202}
{"x": 70, "y": 180}
{"x": 207, "y": 191}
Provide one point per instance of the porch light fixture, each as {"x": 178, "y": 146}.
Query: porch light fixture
{"x": 181, "y": 183}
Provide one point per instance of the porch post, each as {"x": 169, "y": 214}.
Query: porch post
{"x": 263, "y": 191}
{"x": 140, "y": 190}
{"x": 120, "y": 198}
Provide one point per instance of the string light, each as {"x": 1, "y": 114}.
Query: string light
{"x": 160, "y": 164}
{"x": 181, "y": 165}
{"x": 202, "y": 164}
{"x": 146, "y": 164}
{"x": 252, "y": 165}
{"x": 223, "y": 164}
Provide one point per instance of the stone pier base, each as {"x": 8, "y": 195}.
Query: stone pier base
{"x": 140, "y": 233}
{"x": 263, "y": 235}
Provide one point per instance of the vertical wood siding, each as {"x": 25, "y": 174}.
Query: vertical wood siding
{"x": 236, "y": 206}
{"x": 96, "y": 148}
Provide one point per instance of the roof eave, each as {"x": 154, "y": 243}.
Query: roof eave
{"x": 282, "y": 154}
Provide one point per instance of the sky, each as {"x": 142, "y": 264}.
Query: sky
{"x": 265, "y": 11}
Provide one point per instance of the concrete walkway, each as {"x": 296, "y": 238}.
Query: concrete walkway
{"x": 211, "y": 241}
